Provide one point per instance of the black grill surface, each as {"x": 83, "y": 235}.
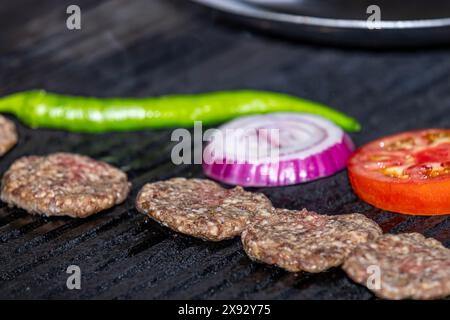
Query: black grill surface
{"x": 142, "y": 48}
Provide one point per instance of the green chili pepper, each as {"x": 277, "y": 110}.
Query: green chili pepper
{"x": 87, "y": 114}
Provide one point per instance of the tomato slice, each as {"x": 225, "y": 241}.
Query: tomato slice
{"x": 407, "y": 173}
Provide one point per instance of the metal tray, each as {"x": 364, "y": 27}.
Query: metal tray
{"x": 344, "y": 22}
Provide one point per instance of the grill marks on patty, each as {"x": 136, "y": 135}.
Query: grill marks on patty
{"x": 8, "y": 135}
{"x": 306, "y": 241}
{"x": 410, "y": 265}
{"x": 63, "y": 184}
{"x": 201, "y": 208}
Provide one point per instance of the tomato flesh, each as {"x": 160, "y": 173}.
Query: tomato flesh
{"x": 406, "y": 173}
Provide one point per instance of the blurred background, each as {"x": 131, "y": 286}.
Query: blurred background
{"x": 144, "y": 48}
{"x": 390, "y": 81}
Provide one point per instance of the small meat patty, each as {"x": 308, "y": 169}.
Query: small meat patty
{"x": 8, "y": 135}
{"x": 63, "y": 184}
{"x": 410, "y": 265}
{"x": 201, "y": 208}
{"x": 306, "y": 241}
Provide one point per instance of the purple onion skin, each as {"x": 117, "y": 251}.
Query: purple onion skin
{"x": 287, "y": 172}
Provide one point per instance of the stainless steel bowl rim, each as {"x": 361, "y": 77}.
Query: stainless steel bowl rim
{"x": 243, "y": 9}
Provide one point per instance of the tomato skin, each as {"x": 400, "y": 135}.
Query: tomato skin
{"x": 408, "y": 196}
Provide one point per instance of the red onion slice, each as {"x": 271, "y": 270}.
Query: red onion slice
{"x": 275, "y": 150}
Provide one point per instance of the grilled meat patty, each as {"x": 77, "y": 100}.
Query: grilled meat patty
{"x": 63, "y": 184}
{"x": 410, "y": 266}
{"x": 8, "y": 135}
{"x": 306, "y": 241}
{"x": 201, "y": 208}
